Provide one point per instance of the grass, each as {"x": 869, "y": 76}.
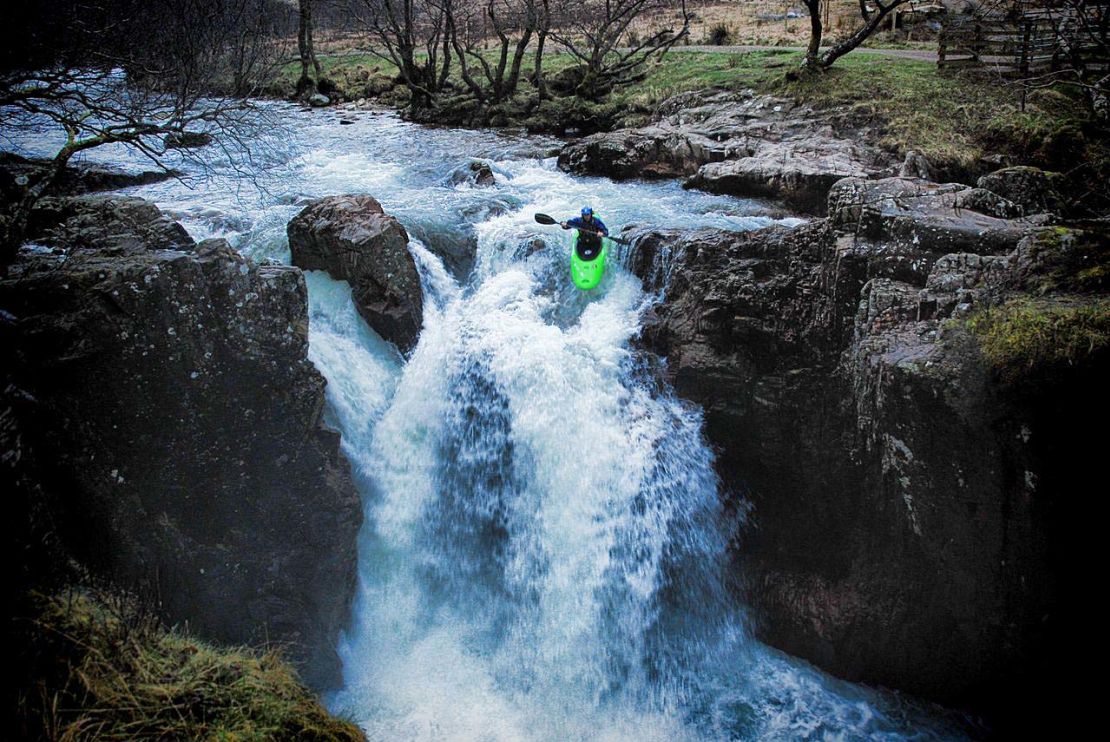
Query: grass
{"x": 1025, "y": 334}
{"x": 99, "y": 667}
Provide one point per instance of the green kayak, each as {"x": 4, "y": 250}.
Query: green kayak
{"x": 587, "y": 258}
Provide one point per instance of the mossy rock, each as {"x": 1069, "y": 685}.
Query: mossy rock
{"x": 560, "y": 115}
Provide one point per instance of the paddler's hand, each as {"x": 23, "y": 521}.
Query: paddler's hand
{"x": 564, "y": 225}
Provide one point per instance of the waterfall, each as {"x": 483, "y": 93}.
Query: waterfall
{"x": 543, "y": 554}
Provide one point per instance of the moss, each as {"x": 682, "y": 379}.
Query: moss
{"x": 1024, "y": 334}
{"x": 99, "y": 666}
{"x": 1072, "y": 260}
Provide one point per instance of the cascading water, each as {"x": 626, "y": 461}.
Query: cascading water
{"x": 542, "y": 556}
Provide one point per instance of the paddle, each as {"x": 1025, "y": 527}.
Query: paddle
{"x": 545, "y": 219}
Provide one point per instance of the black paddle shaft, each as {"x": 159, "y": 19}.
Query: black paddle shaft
{"x": 545, "y": 219}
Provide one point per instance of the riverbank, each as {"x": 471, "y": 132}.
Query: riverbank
{"x": 964, "y": 126}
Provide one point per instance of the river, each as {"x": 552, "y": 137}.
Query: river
{"x": 544, "y": 545}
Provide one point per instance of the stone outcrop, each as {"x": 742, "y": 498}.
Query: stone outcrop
{"x": 16, "y": 172}
{"x": 734, "y": 143}
{"x": 914, "y": 519}
{"x": 163, "y": 391}
{"x": 110, "y": 223}
{"x": 354, "y": 240}
{"x": 1032, "y": 189}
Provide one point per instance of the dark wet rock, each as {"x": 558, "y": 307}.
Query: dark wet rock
{"x": 167, "y": 398}
{"x": 1032, "y": 189}
{"x": 17, "y": 172}
{"x": 453, "y": 241}
{"x": 354, "y": 240}
{"x": 107, "y": 223}
{"x": 734, "y": 143}
{"x": 913, "y": 510}
{"x": 475, "y": 172}
{"x": 187, "y": 140}
{"x": 319, "y": 100}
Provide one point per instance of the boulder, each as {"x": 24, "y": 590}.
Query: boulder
{"x": 652, "y": 152}
{"x": 165, "y": 392}
{"x": 354, "y": 240}
{"x": 1030, "y": 188}
{"x": 799, "y": 176}
{"x": 915, "y": 166}
{"x": 318, "y": 100}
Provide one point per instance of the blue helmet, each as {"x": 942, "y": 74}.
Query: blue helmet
{"x": 587, "y": 211}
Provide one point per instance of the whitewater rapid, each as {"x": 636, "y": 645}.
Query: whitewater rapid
{"x": 543, "y": 554}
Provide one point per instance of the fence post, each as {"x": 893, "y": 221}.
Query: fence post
{"x": 1026, "y": 36}
{"x": 1023, "y": 66}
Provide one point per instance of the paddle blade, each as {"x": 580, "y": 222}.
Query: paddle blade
{"x": 545, "y": 219}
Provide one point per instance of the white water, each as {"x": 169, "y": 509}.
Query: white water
{"x": 543, "y": 548}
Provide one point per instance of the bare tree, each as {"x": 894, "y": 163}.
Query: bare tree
{"x": 512, "y": 22}
{"x": 592, "y": 32}
{"x": 871, "y": 20}
{"x": 412, "y": 35}
{"x": 140, "y": 74}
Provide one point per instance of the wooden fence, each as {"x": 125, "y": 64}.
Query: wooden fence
{"x": 1032, "y": 43}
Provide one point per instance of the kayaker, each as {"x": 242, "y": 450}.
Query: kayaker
{"x": 586, "y": 221}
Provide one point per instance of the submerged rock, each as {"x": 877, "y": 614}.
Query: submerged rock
{"x": 912, "y": 502}
{"x": 167, "y": 398}
{"x": 354, "y": 240}
{"x": 733, "y": 143}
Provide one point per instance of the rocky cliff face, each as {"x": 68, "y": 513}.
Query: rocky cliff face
{"x": 163, "y": 391}
{"x": 913, "y": 478}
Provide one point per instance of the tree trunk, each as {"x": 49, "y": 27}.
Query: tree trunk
{"x": 518, "y": 59}
{"x": 813, "y": 51}
{"x": 305, "y": 85}
{"x": 541, "y": 86}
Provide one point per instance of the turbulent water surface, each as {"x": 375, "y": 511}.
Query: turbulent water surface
{"x": 542, "y": 557}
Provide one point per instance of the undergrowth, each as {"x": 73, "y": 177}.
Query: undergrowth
{"x": 1026, "y": 334}
{"x": 99, "y": 666}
